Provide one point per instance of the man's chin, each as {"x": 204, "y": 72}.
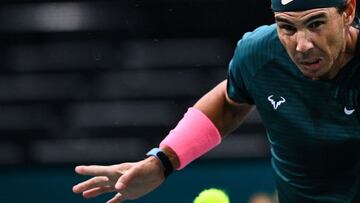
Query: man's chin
{"x": 314, "y": 75}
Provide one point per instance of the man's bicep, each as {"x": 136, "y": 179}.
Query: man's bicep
{"x": 225, "y": 113}
{"x": 241, "y": 110}
{"x": 233, "y": 113}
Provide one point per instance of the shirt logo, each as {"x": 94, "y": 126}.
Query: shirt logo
{"x": 284, "y": 2}
{"x": 348, "y": 111}
{"x": 274, "y": 103}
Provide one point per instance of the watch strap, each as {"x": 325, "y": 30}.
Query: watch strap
{"x": 165, "y": 161}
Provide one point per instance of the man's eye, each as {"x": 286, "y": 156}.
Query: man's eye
{"x": 288, "y": 28}
{"x": 316, "y": 24}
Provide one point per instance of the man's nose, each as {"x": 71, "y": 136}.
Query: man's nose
{"x": 303, "y": 42}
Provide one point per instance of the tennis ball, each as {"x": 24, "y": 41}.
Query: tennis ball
{"x": 212, "y": 195}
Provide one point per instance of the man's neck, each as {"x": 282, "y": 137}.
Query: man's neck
{"x": 348, "y": 53}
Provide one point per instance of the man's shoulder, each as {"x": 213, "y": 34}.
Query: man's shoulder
{"x": 262, "y": 37}
{"x": 258, "y": 47}
{"x": 261, "y": 32}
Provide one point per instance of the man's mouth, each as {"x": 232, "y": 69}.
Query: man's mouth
{"x": 311, "y": 64}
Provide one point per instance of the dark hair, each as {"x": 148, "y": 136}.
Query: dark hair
{"x": 341, "y": 9}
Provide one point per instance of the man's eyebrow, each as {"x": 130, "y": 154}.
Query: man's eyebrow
{"x": 281, "y": 19}
{"x": 314, "y": 17}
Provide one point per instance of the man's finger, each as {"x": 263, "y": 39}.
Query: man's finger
{"x": 93, "y": 170}
{"x": 94, "y": 182}
{"x": 116, "y": 199}
{"x": 97, "y": 191}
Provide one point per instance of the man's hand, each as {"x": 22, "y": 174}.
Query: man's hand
{"x": 128, "y": 180}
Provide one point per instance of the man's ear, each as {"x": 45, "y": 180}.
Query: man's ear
{"x": 350, "y": 12}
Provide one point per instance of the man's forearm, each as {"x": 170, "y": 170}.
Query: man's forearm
{"x": 219, "y": 111}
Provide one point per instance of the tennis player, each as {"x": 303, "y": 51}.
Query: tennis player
{"x": 303, "y": 75}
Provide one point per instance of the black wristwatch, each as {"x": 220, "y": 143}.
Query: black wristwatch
{"x": 165, "y": 161}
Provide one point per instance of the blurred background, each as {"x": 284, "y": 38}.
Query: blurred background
{"x": 102, "y": 82}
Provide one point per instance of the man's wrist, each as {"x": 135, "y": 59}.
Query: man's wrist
{"x": 164, "y": 160}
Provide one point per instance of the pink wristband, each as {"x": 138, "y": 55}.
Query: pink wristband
{"x": 194, "y": 135}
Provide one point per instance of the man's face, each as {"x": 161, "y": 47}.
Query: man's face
{"x": 314, "y": 40}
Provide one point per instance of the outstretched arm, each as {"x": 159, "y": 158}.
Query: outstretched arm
{"x": 133, "y": 180}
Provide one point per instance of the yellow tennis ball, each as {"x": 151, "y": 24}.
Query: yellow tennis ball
{"x": 212, "y": 195}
